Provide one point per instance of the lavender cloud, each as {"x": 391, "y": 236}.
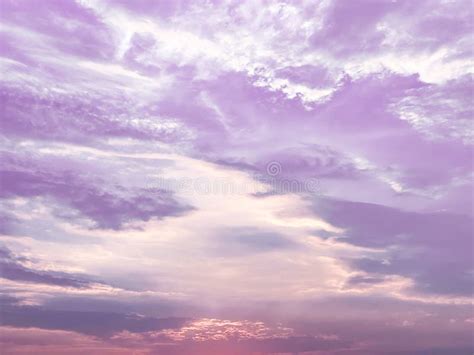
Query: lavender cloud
{"x": 13, "y": 268}
{"x": 432, "y": 248}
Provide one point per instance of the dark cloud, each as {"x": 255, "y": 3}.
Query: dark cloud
{"x": 102, "y": 324}
{"x": 433, "y": 351}
{"x": 312, "y": 161}
{"x": 434, "y": 249}
{"x": 12, "y": 268}
{"x": 7, "y": 300}
{"x": 106, "y": 209}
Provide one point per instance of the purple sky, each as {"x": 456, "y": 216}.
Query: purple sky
{"x": 236, "y": 177}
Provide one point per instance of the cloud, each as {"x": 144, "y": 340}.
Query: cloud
{"x": 31, "y": 112}
{"x": 218, "y": 336}
{"x": 42, "y": 341}
{"x": 13, "y": 268}
{"x": 440, "y": 111}
{"x": 68, "y": 28}
{"x": 107, "y": 209}
{"x": 351, "y": 27}
{"x": 100, "y": 324}
{"x": 431, "y": 248}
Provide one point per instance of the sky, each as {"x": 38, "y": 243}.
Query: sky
{"x": 236, "y": 177}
